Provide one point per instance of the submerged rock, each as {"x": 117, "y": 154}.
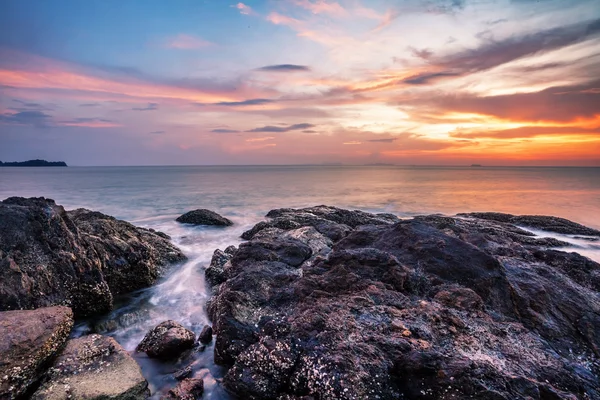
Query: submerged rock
{"x": 328, "y": 303}
{"x": 167, "y": 340}
{"x": 29, "y": 341}
{"x": 204, "y": 217}
{"x": 80, "y": 258}
{"x": 187, "y": 389}
{"x": 94, "y": 367}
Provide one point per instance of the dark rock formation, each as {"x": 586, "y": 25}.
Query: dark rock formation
{"x": 330, "y": 304}
{"x": 167, "y": 340}
{"x": 80, "y": 258}
{"x": 183, "y": 373}
{"x": 204, "y": 217}
{"x": 29, "y": 341}
{"x": 188, "y": 389}
{"x": 205, "y": 336}
{"x": 93, "y": 367}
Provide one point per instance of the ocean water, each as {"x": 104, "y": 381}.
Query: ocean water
{"x": 154, "y": 196}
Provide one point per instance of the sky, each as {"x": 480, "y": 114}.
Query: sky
{"x": 207, "y": 82}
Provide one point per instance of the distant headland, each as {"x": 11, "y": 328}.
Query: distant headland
{"x": 34, "y": 163}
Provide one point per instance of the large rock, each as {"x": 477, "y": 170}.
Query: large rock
{"x": 336, "y": 304}
{"x": 29, "y": 340}
{"x": 80, "y": 258}
{"x": 94, "y": 367}
{"x": 204, "y": 217}
{"x": 167, "y": 340}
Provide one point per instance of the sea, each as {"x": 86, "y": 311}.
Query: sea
{"x": 154, "y": 196}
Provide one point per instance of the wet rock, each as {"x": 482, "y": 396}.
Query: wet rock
{"x": 93, "y": 367}
{"x": 29, "y": 341}
{"x": 167, "y": 341}
{"x": 204, "y": 217}
{"x": 206, "y": 335}
{"x": 433, "y": 307}
{"x": 79, "y": 258}
{"x": 188, "y": 389}
{"x": 183, "y": 373}
{"x": 215, "y": 273}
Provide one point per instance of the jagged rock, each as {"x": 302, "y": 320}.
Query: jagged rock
{"x": 204, "y": 217}
{"x": 29, "y": 340}
{"x": 167, "y": 340}
{"x": 93, "y": 367}
{"x": 432, "y": 307}
{"x": 80, "y": 258}
{"x": 188, "y": 389}
{"x": 206, "y": 335}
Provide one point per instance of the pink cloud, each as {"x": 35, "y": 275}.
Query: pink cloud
{"x": 244, "y": 9}
{"x": 321, "y": 7}
{"x": 279, "y": 19}
{"x": 186, "y": 42}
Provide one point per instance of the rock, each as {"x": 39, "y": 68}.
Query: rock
{"x": 93, "y": 367}
{"x": 204, "y": 217}
{"x": 183, "y": 373}
{"x": 167, "y": 340}
{"x": 432, "y": 307}
{"x": 80, "y": 258}
{"x": 206, "y": 335}
{"x": 215, "y": 273}
{"x": 332, "y": 222}
{"x": 188, "y": 389}
{"x": 29, "y": 341}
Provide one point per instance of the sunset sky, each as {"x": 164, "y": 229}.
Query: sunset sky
{"x": 453, "y": 82}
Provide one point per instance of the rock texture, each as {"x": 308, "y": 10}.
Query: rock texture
{"x": 204, "y": 217}
{"x": 80, "y": 258}
{"x": 29, "y": 340}
{"x": 167, "y": 340}
{"x": 93, "y": 367}
{"x": 323, "y": 303}
{"x": 187, "y": 389}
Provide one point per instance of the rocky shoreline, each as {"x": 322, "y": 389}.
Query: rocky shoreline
{"x": 316, "y": 303}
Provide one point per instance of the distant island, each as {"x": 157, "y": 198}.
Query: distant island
{"x": 34, "y": 163}
{"x": 475, "y": 165}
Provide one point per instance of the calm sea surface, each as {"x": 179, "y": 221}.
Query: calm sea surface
{"x": 155, "y": 196}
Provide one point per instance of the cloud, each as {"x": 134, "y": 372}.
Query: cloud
{"x": 89, "y": 105}
{"x": 186, "y": 42}
{"x": 321, "y": 7}
{"x": 150, "y": 107}
{"x": 157, "y": 132}
{"x": 278, "y": 19}
{"x": 284, "y": 68}
{"x": 33, "y": 118}
{"x": 424, "y": 54}
{"x": 524, "y": 132}
{"x": 391, "y": 140}
{"x": 89, "y": 122}
{"x": 288, "y": 128}
{"x": 224, "y": 130}
{"x": 260, "y": 139}
{"x": 559, "y": 104}
{"x": 250, "y": 102}
{"x": 495, "y": 53}
{"x": 354, "y": 142}
{"x": 243, "y": 8}
{"x": 387, "y": 19}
